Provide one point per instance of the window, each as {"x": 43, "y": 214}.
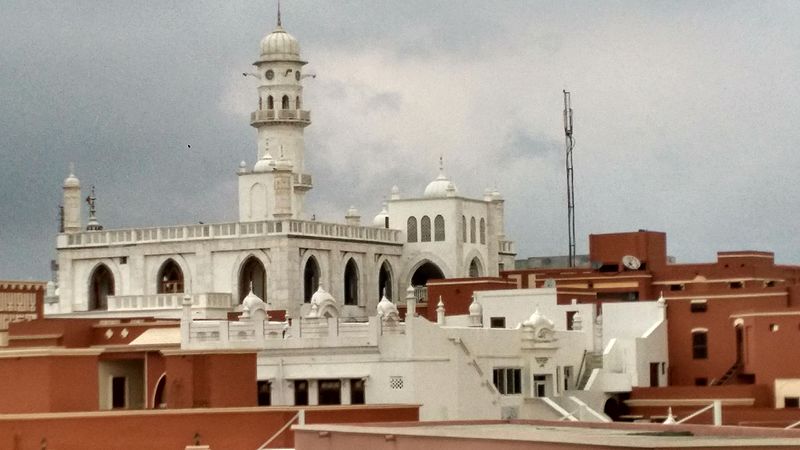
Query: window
{"x": 351, "y": 283}
{"x": 472, "y": 230}
{"x": 497, "y": 322}
{"x": 791, "y": 402}
{"x": 300, "y": 392}
{"x": 540, "y": 385}
{"x": 425, "y": 229}
{"x": 264, "y": 397}
{"x": 701, "y": 381}
{"x": 357, "y": 395}
{"x": 699, "y": 344}
{"x": 736, "y": 284}
{"x": 411, "y": 229}
{"x": 270, "y": 103}
{"x": 330, "y": 392}
{"x": 464, "y": 229}
{"x": 769, "y": 283}
{"x": 310, "y": 279}
{"x": 170, "y": 278}
{"x": 119, "y": 392}
{"x": 396, "y": 382}
{"x": 101, "y": 286}
{"x": 438, "y": 228}
{"x": 285, "y": 102}
{"x": 483, "y": 230}
{"x": 676, "y": 287}
{"x": 698, "y": 306}
{"x": 508, "y": 380}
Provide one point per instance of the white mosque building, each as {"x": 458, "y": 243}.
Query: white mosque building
{"x": 273, "y": 245}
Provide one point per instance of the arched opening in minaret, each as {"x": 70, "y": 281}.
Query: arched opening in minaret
{"x": 101, "y": 285}
{"x": 411, "y": 229}
{"x": 170, "y": 278}
{"x": 351, "y": 283}
{"x": 475, "y": 269}
{"x": 260, "y": 101}
{"x": 252, "y": 271}
{"x": 270, "y": 103}
{"x": 483, "y": 230}
{"x": 297, "y": 102}
{"x": 285, "y": 102}
{"x": 385, "y": 280}
{"x": 310, "y": 279}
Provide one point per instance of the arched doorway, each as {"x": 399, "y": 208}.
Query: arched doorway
{"x": 425, "y": 272}
{"x": 170, "y": 278}
{"x": 385, "y": 280}
{"x": 475, "y": 268}
{"x": 101, "y": 285}
{"x": 351, "y": 283}
{"x": 310, "y": 279}
{"x": 252, "y": 271}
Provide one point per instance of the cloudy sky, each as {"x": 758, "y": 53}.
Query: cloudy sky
{"x": 686, "y": 114}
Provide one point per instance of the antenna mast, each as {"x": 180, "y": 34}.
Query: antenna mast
{"x": 570, "y": 144}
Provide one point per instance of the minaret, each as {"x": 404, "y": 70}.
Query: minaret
{"x": 280, "y": 118}
{"x": 72, "y": 202}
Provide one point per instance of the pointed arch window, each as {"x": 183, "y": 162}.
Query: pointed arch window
{"x": 260, "y": 103}
{"x": 297, "y": 102}
{"x": 285, "y": 102}
{"x": 351, "y": 283}
{"x": 483, "y": 230}
{"x": 474, "y": 268}
{"x": 425, "y": 229}
{"x": 411, "y": 229}
{"x": 170, "y": 278}
{"x": 270, "y": 102}
{"x": 463, "y": 229}
{"x": 385, "y": 280}
{"x": 252, "y": 274}
{"x": 472, "y": 230}
{"x": 310, "y": 279}
{"x": 101, "y": 285}
{"x": 438, "y": 228}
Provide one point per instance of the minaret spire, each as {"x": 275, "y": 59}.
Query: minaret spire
{"x": 279, "y": 12}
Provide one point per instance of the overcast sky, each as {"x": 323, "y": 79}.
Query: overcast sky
{"x": 686, "y": 114}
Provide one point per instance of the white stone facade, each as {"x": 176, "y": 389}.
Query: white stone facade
{"x": 145, "y": 271}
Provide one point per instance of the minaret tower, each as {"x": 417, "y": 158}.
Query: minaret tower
{"x": 72, "y": 202}
{"x": 280, "y": 118}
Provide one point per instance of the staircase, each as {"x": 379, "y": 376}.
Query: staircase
{"x": 591, "y": 361}
{"x": 732, "y": 372}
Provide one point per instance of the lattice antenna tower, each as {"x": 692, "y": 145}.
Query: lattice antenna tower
{"x": 570, "y": 144}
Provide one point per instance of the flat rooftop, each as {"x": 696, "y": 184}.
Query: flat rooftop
{"x": 584, "y": 435}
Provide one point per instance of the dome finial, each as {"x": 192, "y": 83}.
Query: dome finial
{"x": 72, "y": 169}
{"x": 441, "y": 164}
{"x": 279, "y": 12}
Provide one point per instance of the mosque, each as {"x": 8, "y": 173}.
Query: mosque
{"x": 274, "y": 248}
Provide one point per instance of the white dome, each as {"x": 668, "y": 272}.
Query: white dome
{"x": 72, "y": 180}
{"x": 380, "y": 219}
{"x": 265, "y": 164}
{"x": 386, "y": 308}
{"x": 321, "y": 296}
{"x": 280, "y": 46}
{"x": 537, "y": 321}
{"x": 440, "y": 187}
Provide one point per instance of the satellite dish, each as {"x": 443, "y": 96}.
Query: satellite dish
{"x": 631, "y": 262}
{"x": 549, "y": 283}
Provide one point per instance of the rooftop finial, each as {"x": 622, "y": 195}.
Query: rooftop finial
{"x": 279, "y": 12}
{"x": 72, "y": 169}
{"x": 441, "y": 163}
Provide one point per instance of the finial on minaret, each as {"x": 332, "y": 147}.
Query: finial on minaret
{"x": 279, "y": 12}
{"x": 72, "y": 169}
{"x": 93, "y": 224}
{"x": 441, "y": 163}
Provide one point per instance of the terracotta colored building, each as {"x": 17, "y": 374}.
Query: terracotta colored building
{"x": 704, "y": 346}
{"x": 19, "y": 300}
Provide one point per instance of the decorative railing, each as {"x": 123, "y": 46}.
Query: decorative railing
{"x": 228, "y": 230}
{"x": 421, "y": 294}
{"x": 506, "y": 246}
{"x": 280, "y": 114}
{"x": 302, "y": 179}
{"x": 166, "y": 301}
{"x": 301, "y": 332}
